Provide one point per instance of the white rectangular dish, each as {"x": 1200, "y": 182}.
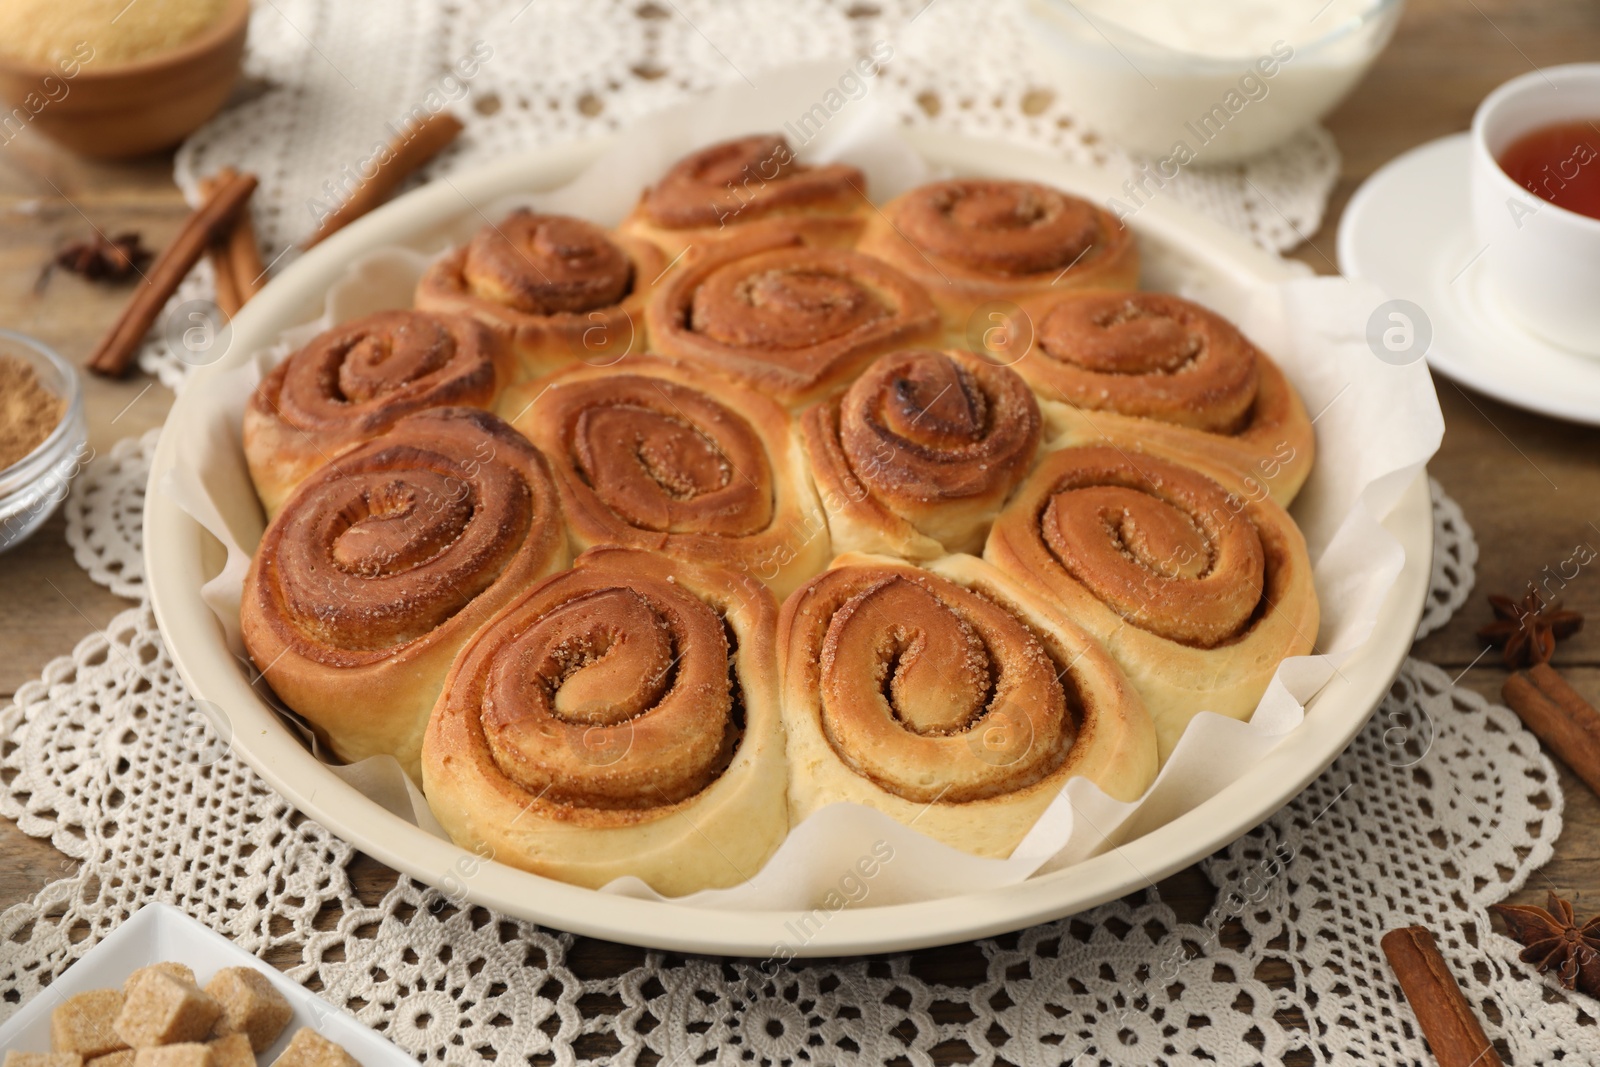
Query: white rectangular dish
{"x": 159, "y": 933}
{"x": 1180, "y": 248}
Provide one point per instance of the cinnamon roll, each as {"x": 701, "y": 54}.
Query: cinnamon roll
{"x": 719, "y": 190}
{"x": 620, "y": 718}
{"x": 560, "y": 288}
{"x": 978, "y": 241}
{"x": 655, "y": 456}
{"x": 355, "y": 381}
{"x": 1182, "y": 375}
{"x": 1198, "y": 587}
{"x": 382, "y": 564}
{"x": 783, "y": 316}
{"x": 917, "y": 456}
{"x": 950, "y": 699}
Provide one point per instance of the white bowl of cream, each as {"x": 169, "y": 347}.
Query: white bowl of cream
{"x": 1209, "y": 82}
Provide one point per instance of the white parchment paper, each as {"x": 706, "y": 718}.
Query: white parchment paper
{"x": 1376, "y": 424}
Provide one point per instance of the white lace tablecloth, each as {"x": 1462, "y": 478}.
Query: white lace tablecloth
{"x": 1443, "y": 805}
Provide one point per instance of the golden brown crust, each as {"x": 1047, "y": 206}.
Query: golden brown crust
{"x": 631, "y": 716}
{"x": 1157, "y": 366}
{"x": 618, "y": 718}
{"x": 380, "y": 566}
{"x": 562, "y": 290}
{"x": 1197, "y": 588}
{"x": 782, "y": 316}
{"x": 916, "y": 458}
{"x": 718, "y": 191}
{"x": 654, "y": 455}
{"x": 355, "y": 381}
{"x": 974, "y": 241}
{"x": 950, "y": 699}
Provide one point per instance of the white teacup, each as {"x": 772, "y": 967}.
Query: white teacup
{"x": 1543, "y": 260}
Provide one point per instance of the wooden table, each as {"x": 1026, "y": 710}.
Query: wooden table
{"x": 1529, "y": 486}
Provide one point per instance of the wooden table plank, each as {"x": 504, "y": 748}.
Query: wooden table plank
{"x": 47, "y": 199}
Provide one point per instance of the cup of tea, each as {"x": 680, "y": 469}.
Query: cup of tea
{"x": 1536, "y": 201}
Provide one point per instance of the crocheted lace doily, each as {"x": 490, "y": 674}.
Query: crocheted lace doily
{"x": 325, "y": 79}
{"x": 1443, "y": 805}
{"x": 1455, "y": 561}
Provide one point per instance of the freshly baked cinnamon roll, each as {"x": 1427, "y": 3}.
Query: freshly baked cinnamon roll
{"x": 620, "y": 718}
{"x": 783, "y": 316}
{"x": 977, "y": 241}
{"x": 1198, "y": 588}
{"x": 718, "y": 190}
{"x": 1183, "y": 375}
{"x": 562, "y": 289}
{"x": 355, "y": 381}
{"x": 652, "y": 455}
{"x": 951, "y": 699}
{"x": 917, "y": 456}
{"x": 382, "y": 564}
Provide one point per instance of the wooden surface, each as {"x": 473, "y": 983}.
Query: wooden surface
{"x": 1529, "y": 486}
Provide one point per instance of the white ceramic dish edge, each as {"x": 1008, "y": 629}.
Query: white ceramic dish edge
{"x": 180, "y": 556}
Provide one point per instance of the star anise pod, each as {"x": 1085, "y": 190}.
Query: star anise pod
{"x": 1528, "y": 628}
{"x": 105, "y": 259}
{"x": 1553, "y": 941}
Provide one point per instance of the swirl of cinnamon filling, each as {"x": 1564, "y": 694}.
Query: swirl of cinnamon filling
{"x": 746, "y": 179}
{"x": 617, "y": 718}
{"x": 1197, "y": 583}
{"x": 951, "y": 699}
{"x": 924, "y": 443}
{"x": 1001, "y": 226}
{"x": 1167, "y": 371}
{"x": 793, "y": 320}
{"x": 400, "y": 536}
{"x": 614, "y": 696}
{"x": 355, "y": 381}
{"x": 1162, "y": 545}
{"x": 980, "y": 244}
{"x": 561, "y": 289}
{"x": 682, "y": 463}
{"x": 1152, "y": 355}
{"x": 545, "y": 264}
{"x": 916, "y": 670}
{"x": 359, "y": 378}
{"x": 383, "y": 563}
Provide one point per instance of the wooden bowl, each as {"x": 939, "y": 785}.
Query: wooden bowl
{"x": 127, "y": 109}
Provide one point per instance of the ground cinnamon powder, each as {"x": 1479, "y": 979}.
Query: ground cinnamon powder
{"x": 28, "y": 411}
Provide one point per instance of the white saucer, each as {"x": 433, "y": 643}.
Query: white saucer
{"x": 1408, "y": 230}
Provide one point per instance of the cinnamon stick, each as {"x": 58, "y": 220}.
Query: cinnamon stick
{"x": 244, "y": 252}
{"x": 204, "y": 225}
{"x": 1559, "y": 717}
{"x": 1447, "y": 1020}
{"x": 406, "y": 154}
{"x": 228, "y": 298}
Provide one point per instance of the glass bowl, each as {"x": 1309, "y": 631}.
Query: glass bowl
{"x": 33, "y": 487}
{"x": 1223, "y": 98}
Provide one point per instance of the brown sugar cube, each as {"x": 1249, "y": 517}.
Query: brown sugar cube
{"x": 43, "y": 1059}
{"x": 187, "y": 1054}
{"x": 310, "y": 1049}
{"x": 162, "y": 1010}
{"x": 85, "y": 1024}
{"x": 232, "y": 1051}
{"x": 250, "y": 1005}
{"x": 176, "y": 970}
{"x": 124, "y": 1058}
